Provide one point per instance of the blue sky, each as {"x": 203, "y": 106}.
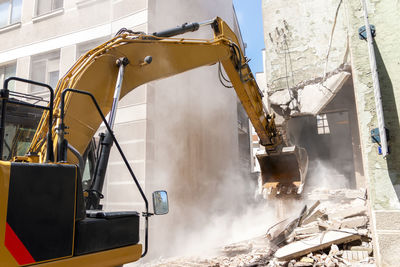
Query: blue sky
{"x": 249, "y": 15}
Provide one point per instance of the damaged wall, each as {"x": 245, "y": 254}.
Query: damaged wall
{"x": 307, "y": 66}
{"x": 306, "y": 42}
{"x": 383, "y": 175}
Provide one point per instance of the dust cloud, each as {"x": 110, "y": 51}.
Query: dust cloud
{"x": 323, "y": 176}
{"x": 193, "y": 150}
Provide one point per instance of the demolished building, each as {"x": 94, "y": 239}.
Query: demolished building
{"x": 318, "y": 74}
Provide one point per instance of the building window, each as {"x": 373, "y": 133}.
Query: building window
{"x": 47, "y": 6}
{"x": 10, "y": 12}
{"x": 322, "y": 124}
{"x": 82, "y": 48}
{"x": 46, "y": 69}
{"x": 7, "y": 71}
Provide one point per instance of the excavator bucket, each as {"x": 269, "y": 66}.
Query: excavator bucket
{"x": 285, "y": 172}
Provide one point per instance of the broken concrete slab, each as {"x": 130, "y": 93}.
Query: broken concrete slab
{"x": 354, "y": 222}
{"x": 314, "y": 97}
{"x": 309, "y": 211}
{"x": 314, "y": 216}
{"x": 347, "y": 212}
{"x": 282, "y": 97}
{"x": 319, "y": 242}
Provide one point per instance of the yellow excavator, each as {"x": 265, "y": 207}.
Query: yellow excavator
{"x": 48, "y": 217}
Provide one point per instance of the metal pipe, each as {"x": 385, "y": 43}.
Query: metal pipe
{"x": 121, "y": 63}
{"x": 106, "y": 144}
{"x": 79, "y": 157}
{"x": 375, "y": 80}
{"x": 4, "y": 96}
{"x": 207, "y": 22}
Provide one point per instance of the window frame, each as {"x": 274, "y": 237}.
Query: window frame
{"x": 52, "y": 10}
{"x": 46, "y": 57}
{"x": 11, "y": 7}
{"x": 322, "y": 124}
{"x": 3, "y": 68}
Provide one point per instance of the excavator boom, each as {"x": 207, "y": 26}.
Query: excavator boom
{"x": 96, "y": 72}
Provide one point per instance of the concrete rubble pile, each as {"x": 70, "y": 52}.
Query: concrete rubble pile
{"x": 334, "y": 231}
{"x": 254, "y": 252}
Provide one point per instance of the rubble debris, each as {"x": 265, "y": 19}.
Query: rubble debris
{"x": 347, "y": 212}
{"x": 314, "y": 216}
{"x": 311, "y": 209}
{"x": 339, "y": 221}
{"x": 332, "y": 232}
{"x": 279, "y": 237}
{"x": 319, "y": 242}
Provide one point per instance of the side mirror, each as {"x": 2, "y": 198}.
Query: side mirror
{"x": 160, "y": 202}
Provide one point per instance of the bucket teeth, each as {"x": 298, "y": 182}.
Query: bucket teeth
{"x": 269, "y": 190}
{"x": 289, "y": 191}
{"x": 278, "y": 190}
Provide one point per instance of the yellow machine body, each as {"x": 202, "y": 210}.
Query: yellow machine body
{"x": 35, "y": 179}
{"x": 14, "y": 246}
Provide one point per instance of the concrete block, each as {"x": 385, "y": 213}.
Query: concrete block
{"x": 361, "y": 248}
{"x": 354, "y": 222}
{"x": 354, "y": 255}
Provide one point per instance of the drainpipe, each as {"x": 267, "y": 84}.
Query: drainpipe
{"x": 375, "y": 80}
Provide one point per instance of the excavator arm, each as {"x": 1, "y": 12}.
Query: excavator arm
{"x": 96, "y": 72}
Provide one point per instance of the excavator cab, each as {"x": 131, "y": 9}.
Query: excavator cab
{"x": 283, "y": 173}
{"x": 44, "y": 219}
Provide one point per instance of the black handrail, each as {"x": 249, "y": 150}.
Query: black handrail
{"x": 4, "y": 93}
{"x": 62, "y": 127}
